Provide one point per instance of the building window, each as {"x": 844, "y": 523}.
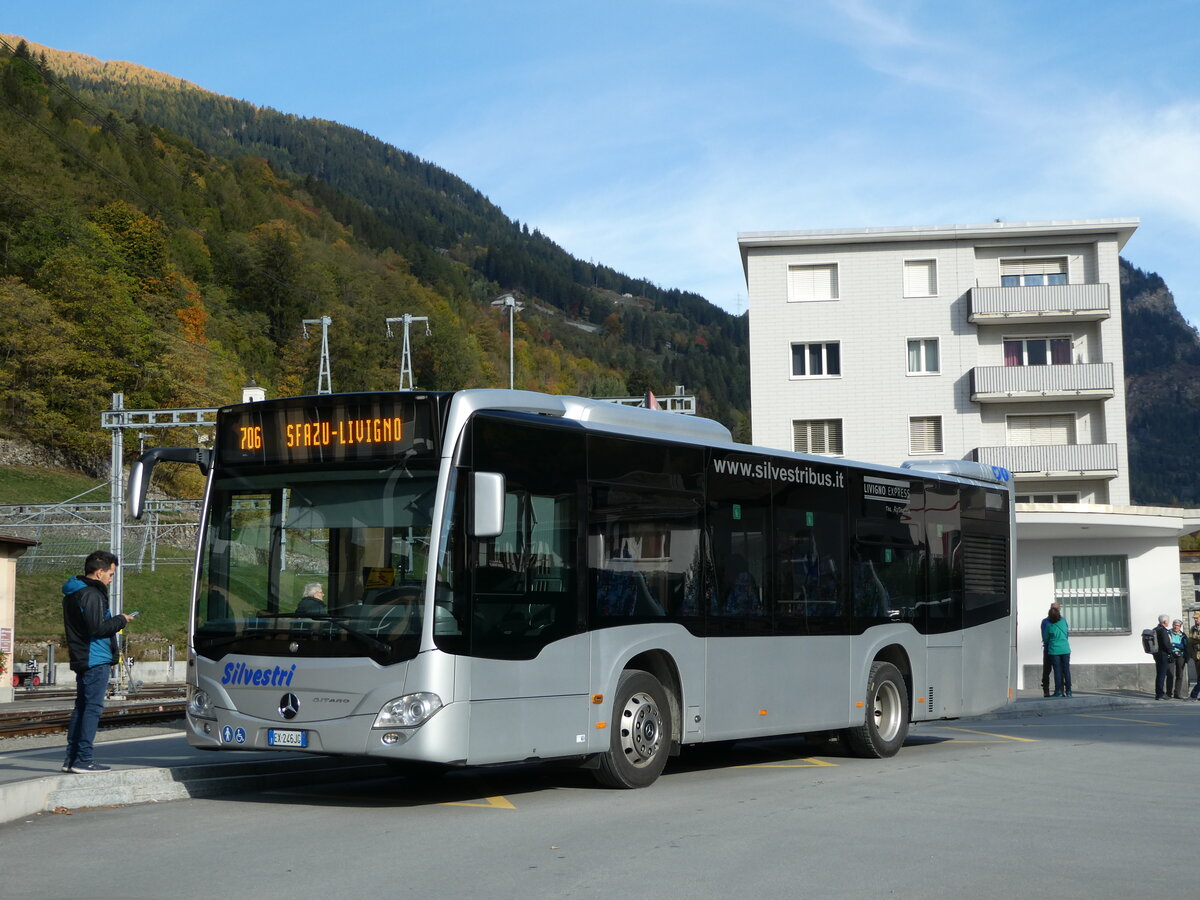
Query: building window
{"x": 813, "y": 282}
{"x": 920, "y": 278}
{"x": 1067, "y": 497}
{"x": 1033, "y": 272}
{"x": 821, "y": 436}
{"x": 1024, "y": 431}
{"x": 925, "y": 434}
{"x": 1093, "y": 592}
{"x": 813, "y": 360}
{"x": 1039, "y": 351}
{"x": 923, "y": 358}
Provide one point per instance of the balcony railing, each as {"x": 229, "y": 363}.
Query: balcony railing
{"x": 1041, "y": 303}
{"x": 1058, "y": 461}
{"x": 993, "y": 384}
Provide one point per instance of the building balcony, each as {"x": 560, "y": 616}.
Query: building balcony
{"x": 1058, "y": 462}
{"x": 1042, "y": 303}
{"x": 1005, "y": 384}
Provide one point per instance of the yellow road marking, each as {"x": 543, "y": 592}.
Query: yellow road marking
{"x": 807, "y": 763}
{"x": 1121, "y": 719}
{"x": 489, "y": 803}
{"x": 1003, "y": 737}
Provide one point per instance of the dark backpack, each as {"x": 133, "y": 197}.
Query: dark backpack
{"x": 1149, "y": 641}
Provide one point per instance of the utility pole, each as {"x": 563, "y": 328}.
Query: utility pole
{"x": 510, "y": 302}
{"x": 406, "y": 354}
{"x": 324, "y": 385}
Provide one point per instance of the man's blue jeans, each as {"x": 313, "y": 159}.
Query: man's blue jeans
{"x": 90, "y": 686}
{"x": 1162, "y": 663}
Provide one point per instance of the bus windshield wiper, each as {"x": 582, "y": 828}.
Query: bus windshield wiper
{"x": 340, "y": 622}
{"x": 337, "y": 621}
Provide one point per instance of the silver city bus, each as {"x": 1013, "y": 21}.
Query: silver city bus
{"x": 488, "y": 576}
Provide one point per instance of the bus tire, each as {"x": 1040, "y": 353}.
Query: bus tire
{"x": 885, "y": 723}
{"x": 639, "y": 733}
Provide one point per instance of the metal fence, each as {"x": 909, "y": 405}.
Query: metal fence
{"x": 67, "y": 532}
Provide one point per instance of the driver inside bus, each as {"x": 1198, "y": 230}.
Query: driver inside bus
{"x": 312, "y": 603}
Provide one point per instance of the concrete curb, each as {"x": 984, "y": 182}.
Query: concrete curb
{"x": 128, "y": 786}
{"x": 1049, "y": 706}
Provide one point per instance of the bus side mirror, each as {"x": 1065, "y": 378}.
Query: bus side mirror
{"x": 139, "y": 472}
{"x": 487, "y": 511}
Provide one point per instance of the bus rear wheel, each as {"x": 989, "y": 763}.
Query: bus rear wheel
{"x": 885, "y": 724}
{"x": 639, "y": 733}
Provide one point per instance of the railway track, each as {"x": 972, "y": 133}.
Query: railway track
{"x": 142, "y": 711}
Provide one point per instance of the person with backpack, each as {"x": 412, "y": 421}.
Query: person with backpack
{"x": 1177, "y": 672}
{"x": 1055, "y": 636}
{"x": 1162, "y": 657}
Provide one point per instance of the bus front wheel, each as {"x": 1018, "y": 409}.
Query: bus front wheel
{"x": 639, "y": 733}
{"x": 885, "y": 725}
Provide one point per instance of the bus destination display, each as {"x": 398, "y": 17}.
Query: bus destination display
{"x": 294, "y": 432}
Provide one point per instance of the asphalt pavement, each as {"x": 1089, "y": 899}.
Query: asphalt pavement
{"x": 155, "y": 763}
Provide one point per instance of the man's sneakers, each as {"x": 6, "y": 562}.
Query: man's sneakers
{"x": 84, "y": 768}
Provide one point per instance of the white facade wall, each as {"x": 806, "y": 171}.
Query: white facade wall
{"x": 872, "y": 319}
{"x": 874, "y": 396}
{"x": 1153, "y": 571}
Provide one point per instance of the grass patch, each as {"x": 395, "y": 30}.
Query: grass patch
{"x": 34, "y": 484}
{"x": 161, "y": 597}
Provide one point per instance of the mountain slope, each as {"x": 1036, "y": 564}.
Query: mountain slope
{"x": 394, "y": 200}
{"x": 1162, "y": 386}
{"x": 131, "y": 260}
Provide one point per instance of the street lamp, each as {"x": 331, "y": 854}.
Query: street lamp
{"x": 509, "y": 301}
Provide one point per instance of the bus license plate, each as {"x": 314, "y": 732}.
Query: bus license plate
{"x": 286, "y": 738}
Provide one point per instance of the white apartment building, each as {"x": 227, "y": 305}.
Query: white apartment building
{"x": 999, "y": 343}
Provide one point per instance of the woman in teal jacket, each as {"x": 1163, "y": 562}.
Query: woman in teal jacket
{"x": 1058, "y": 648}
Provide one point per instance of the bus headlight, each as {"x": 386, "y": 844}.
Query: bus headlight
{"x": 200, "y": 705}
{"x": 408, "y": 711}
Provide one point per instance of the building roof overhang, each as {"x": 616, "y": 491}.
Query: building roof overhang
{"x": 1081, "y": 521}
{"x": 1123, "y": 229}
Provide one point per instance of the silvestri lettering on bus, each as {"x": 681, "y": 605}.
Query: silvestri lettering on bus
{"x": 772, "y": 472}
{"x": 272, "y": 676}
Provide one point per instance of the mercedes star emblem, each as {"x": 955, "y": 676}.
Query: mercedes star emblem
{"x": 289, "y": 705}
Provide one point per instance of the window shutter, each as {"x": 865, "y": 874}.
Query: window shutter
{"x": 1024, "y": 431}
{"x": 822, "y": 436}
{"x": 813, "y": 282}
{"x": 920, "y": 278}
{"x": 925, "y": 434}
{"x": 1056, "y": 265}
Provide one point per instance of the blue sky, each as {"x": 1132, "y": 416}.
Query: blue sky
{"x": 645, "y": 134}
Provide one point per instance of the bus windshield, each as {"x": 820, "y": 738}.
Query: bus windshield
{"x": 302, "y": 563}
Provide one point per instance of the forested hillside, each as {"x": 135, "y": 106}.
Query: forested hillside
{"x": 164, "y": 241}
{"x": 133, "y": 260}
{"x": 1162, "y": 383}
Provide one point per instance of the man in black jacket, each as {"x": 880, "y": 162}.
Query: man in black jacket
{"x": 92, "y": 640}
{"x": 1162, "y": 657}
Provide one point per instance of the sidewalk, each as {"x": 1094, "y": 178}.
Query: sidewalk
{"x": 151, "y": 763}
